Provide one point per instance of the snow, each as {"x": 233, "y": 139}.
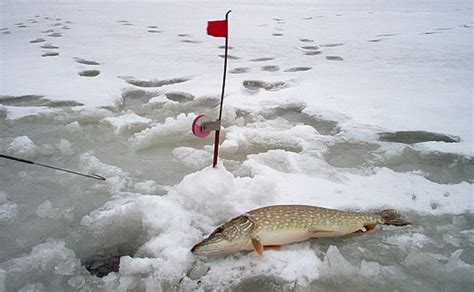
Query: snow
{"x": 310, "y": 89}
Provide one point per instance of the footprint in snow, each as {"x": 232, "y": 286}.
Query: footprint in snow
{"x": 277, "y": 34}
{"x": 89, "y": 73}
{"x": 271, "y": 68}
{"x": 49, "y": 47}
{"x": 306, "y": 40}
{"x": 332, "y": 45}
{"x": 262, "y": 59}
{"x": 230, "y": 57}
{"x": 55, "y": 35}
{"x": 298, "y": 69}
{"x": 86, "y": 62}
{"x": 50, "y": 54}
{"x": 191, "y": 42}
{"x": 375, "y": 40}
{"x": 37, "y": 40}
{"x": 240, "y": 70}
{"x": 334, "y": 58}
{"x": 386, "y": 35}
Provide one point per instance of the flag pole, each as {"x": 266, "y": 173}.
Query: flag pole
{"x": 217, "y": 135}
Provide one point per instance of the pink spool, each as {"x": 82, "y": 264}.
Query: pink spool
{"x": 197, "y": 129}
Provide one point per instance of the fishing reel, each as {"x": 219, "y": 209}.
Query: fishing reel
{"x": 202, "y": 126}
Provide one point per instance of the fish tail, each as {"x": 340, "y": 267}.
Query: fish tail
{"x": 391, "y": 217}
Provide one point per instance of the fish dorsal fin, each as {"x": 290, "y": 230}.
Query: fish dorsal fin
{"x": 258, "y": 246}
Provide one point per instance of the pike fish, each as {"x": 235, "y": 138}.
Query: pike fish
{"x": 272, "y": 227}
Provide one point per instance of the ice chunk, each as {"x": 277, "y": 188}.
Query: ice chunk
{"x": 128, "y": 121}
{"x": 8, "y": 212}
{"x": 74, "y": 126}
{"x": 76, "y": 282}
{"x": 45, "y": 260}
{"x": 335, "y": 264}
{"x": 3, "y": 198}
{"x": 46, "y": 210}
{"x": 3, "y": 276}
{"x": 65, "y": 147}
{"x": 161, "y": 133}
{"x": 33, "y": 287}
{"x": 193, "y": 158}
{"x": 451, "y": 239}
{"x": 23, "y": 146}
{"x": 406, "y": 241}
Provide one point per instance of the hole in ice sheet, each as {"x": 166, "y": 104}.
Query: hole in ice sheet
{"x": 101, "y": 266}
{"x": 24, "y": 100}
{"x": 179, "y": 96}
{"x": 50, "y": 54}
{"x": 293, "y": 113}
{"x": 240, "y": 70}
{"x": 350, "y": 154}
{"x": 412, "y": 137}
{"x": 255, "y": 85}
{"x": 49, "y": 46}
{"x": 306, "y": 40}
{"x": 35, "y": 100}
{"x": 334, "y": 58}
{"x": 89, "y": 73}
{"x": 37, "y": 40}
{"x": 271, "y": 68}
{"x": 263, "y": 59}
{"x": 298, "y": 69}
{"x": 332, "y": 45}
{"x": 86, "y": 62}
{"x": 445, "y": 168}
{"x": 155, "y": 83}
{"x": 135, "y": 99}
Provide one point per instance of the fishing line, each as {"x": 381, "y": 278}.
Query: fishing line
{"x": 92, "y": 175}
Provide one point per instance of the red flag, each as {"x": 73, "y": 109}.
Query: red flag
{"x": 217, "y": 28}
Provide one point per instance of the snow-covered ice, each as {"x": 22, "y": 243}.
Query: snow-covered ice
{"x": 356, "y": 105}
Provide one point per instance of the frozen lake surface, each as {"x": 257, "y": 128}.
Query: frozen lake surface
{"x": 355, "y": 105}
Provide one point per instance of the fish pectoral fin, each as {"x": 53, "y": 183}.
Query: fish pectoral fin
{"x": 365, "y": 229}
{"x": 273, "y": 247}
{"x": 258, "y": 246}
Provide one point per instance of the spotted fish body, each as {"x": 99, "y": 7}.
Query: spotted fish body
{"x": 274, "y": 226}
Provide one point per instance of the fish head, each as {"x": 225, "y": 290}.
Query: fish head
{"x": 231, "y": 237}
